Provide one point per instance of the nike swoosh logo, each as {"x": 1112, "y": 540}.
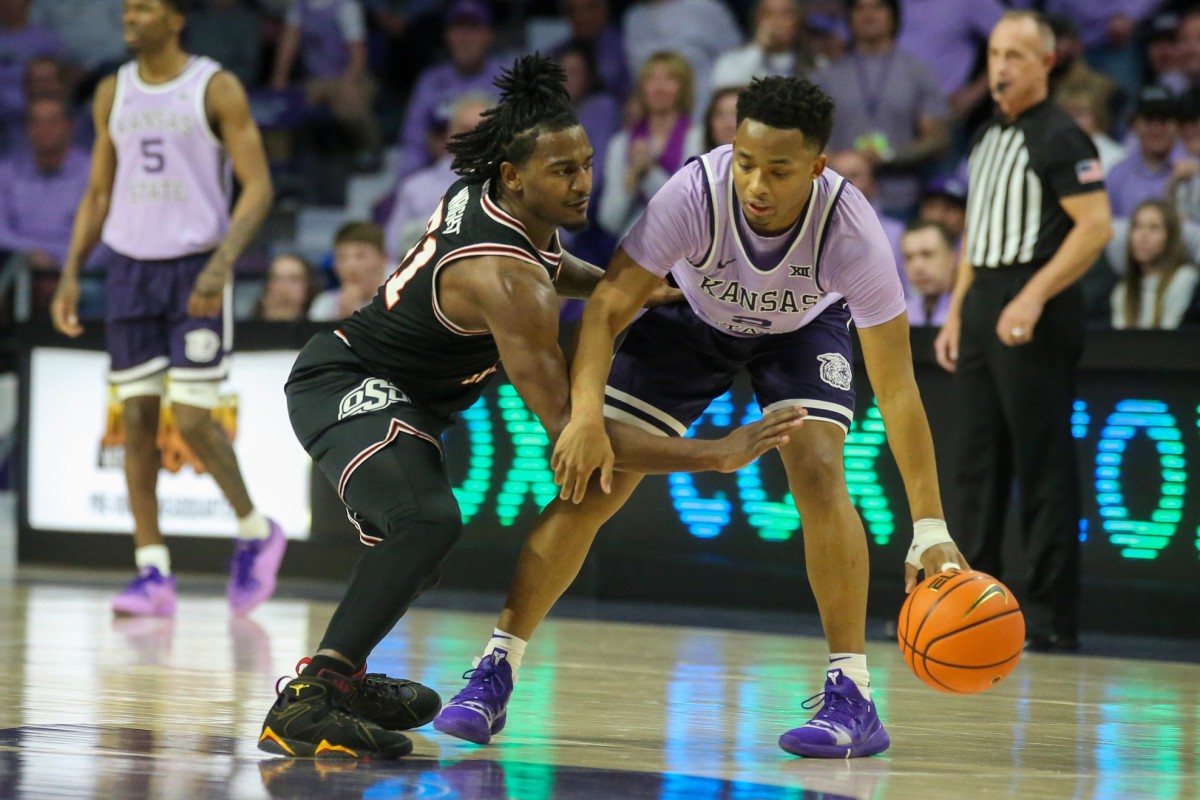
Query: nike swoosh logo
{"x": 835, "y": 660}
{"x": 994, "y": 590}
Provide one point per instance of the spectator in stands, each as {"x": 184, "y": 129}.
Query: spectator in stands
{"x": 40, "y": 187}
{"x": 944, "y": 201}
{"x": 598, "y": 110}
{"x": 1107, "y": 29}
{"x": 91, "y": 32}
{"x": 1163, "y": 53}
{"x": 469, "y": 36}
{"x": 20, "y": 42}
{"x": 1071, "y": 70}
{"x": 930, "y": 260}
{"x": 643, "y": 156}
{"x": 292, "y": 285}
{"x": 1159, "y": 282}
{"x": 890, "y": 105}
{"x": 329, "y": 36}
{"x": 1188, "y": 46}
{"x": 1144, "y": 173}
{"x": 228, "y": 32}
{"x": 1184, "y": 184}
{"x": 948, "y": 35}
{"x": 361, "y": 265}
{"x": 720, "y": 118}
{"x": 591, "y": 24}
{"x": 698, "y": 30}
{"x": 1086, "y": 104}
{"x": 779, "y": 46}
{"x": 418, "y": 194}
{"x": 857, "y": 168}
{"x": 47, "y": 76}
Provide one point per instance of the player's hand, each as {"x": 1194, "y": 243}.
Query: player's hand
{"x": 945, "y": 346}
{"x": 938, "y": 558}
{"x": 208, "y": 295}
{"x": 749, "y": 442}
{"x": 664, "y": 295}
{"x": 1017, "y": 320}
{"x": 582, "y": 448}
{"x": 64, "y": 306}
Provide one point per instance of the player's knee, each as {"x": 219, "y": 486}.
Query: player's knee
{"x": 195, "y": 424}
{"x": 818, "y": 469}
{"x": 141, "y": 416}
{"x": 433, "y": 522}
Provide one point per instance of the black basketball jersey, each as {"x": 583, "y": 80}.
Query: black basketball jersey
{"x": 402, "y": 334}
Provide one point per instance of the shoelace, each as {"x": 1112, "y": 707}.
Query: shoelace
{"x": 143, "y": 580}
{"x": 836, "y": 708}
{"x": 475, "y": 695}
{"x": 243, "y": 561}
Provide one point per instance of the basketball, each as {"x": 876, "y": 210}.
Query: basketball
{"x": 961, "y": 632}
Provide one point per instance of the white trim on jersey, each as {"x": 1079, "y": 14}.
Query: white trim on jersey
{"x": 472, "y": 251}
{"x": 194, "y": 63}
{"x": 396, "y": 428}
{"x": 498, "y": 214}
{"x": 835, "y": 194}
{"x": 118, "y": 98}
{"x": 143, "y": 370}
{"x": 620, "y": 415}
{"x": 714, "y": 246}
{"x": 819, "y": 405}
{"x": 647, "y": 409}
{"x": 202, "y": 109}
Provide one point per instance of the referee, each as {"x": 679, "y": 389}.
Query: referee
{"x": 1037, "y": 218}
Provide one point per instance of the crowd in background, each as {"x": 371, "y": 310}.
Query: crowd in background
{"x": 352, "y": 87}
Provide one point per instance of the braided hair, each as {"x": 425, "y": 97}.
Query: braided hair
{"x": 533, "y": 101}
{"x": 791, "y": 104}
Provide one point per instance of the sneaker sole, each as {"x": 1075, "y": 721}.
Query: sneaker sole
{"x": 292, "y": 748}
{"x": 875, "y": 744}
{"x": 470, "y": 730}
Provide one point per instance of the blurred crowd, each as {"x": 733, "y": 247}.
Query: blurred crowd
{"x": 344, "y": 88}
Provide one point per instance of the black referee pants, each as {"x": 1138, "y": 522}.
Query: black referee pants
{"x": 1013, "y": 420}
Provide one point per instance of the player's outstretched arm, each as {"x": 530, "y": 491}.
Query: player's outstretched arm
{"x": 228, "y": 107}
{"x": 888, "y": 356}
{"x": 578, "y": 279}
{"x": 90, "y": 216}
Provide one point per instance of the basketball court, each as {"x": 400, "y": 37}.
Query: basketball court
{"x": 97, "y": 707}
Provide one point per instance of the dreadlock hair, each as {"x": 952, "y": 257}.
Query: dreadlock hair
{"x": 789, "y": 103}
{"x": 533, "y": 101}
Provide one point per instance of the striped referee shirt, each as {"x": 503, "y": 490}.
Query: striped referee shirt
{"x": 1020, "y": 170}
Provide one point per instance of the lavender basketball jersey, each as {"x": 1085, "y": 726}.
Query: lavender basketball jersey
{"x": 746, "y": 284}
{"x": 171, "y": 194}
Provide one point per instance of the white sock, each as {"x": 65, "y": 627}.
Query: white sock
{"x": 854, "y": 667}
{"x": 153, "y": 555}
{"x": 253, "y": 526}
{"x": 510, "y": 644}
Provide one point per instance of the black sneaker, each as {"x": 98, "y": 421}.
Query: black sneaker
{"x": 391, "y": 703}
{"x": 309, "y": 720}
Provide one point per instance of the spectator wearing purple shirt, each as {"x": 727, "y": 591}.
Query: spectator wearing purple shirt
{"x": 469, "y": 36}
{"x": 947, "y": 35}
{"x": 330, "y": 36}
{"x": 40, "y": 187}
{"x": 419, "y": 193}
{"x": 591, "y": 23}
{"x": 890, "y": 105}
{"x": 19, "y": 43}
{"x": 1144, "y": 173}
{"x": 930, "y": 260}
{"x": 699, "y": 30}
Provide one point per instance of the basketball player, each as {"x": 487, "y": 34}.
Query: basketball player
{"x": 158, "y": 198}
{"x": 370, "y": 401}
{"x": 777, "y": 257}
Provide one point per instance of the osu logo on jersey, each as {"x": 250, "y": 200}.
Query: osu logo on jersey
{"x": 370, "y": 395}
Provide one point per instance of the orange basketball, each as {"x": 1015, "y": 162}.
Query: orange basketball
{"x": 961, "y": 632}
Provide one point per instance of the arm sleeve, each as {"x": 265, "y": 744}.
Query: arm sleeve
{"x": 352, "y": 22}
{"x": 675, "y": 225}
{"x": 1071, "y": 164}
{"x": 856, "y": 261}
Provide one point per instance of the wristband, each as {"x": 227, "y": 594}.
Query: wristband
{"x": 926, "y": 534}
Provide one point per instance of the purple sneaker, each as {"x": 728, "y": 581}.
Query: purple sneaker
{"x": 150, "y": 594}
{"x": 479, "y": 711}
{"x": 253, "y": 568}
{"x": 845, "y": 727}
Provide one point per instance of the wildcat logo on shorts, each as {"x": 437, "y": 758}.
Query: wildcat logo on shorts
{"x": 201, "y": 345}
{"x": 835, "y": 370}
{"x": 371, "y": 395}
